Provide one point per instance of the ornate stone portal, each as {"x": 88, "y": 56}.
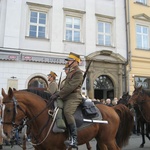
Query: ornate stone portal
{"x": 106, "y": 75}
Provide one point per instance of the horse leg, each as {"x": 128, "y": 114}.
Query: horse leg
{"x": 143, "y": 137}
{"x": 88, "y": 146}
{"x": 147, "y": 131}
{"x": 1, "y": 143}
{"x": 24, "y": 143}
{"x": 111, "y": 145}
{"x": 100, "y": 145}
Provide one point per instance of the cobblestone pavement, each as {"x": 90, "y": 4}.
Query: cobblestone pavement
{"x": 133, "y": 144}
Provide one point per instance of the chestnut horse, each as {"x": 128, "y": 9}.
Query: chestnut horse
{"x": 140, "y": 100}
{"x": 19, "y": 105}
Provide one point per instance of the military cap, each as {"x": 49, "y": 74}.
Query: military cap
{"x": 53, "y": 74}
{"x": 73, "y": 56}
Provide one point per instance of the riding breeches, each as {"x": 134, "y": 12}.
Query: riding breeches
{"x": 70, "y": 107}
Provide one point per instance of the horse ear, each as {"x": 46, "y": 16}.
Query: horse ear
{"x": 10, "y": 92}
{"x": 3, "y": 93}
{"x": 14, "y": 89}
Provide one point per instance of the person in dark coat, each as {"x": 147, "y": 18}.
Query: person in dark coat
{"x": 71, "y": 95}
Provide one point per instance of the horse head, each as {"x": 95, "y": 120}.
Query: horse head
{"x": 136, "y": 96}
{"x": 124, "y": 99}
{"x": 12, "y": 114}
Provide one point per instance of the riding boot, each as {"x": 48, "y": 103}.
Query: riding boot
{"x": 73, "y": 139}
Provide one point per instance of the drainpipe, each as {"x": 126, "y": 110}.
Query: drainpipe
{"x": 128, "y": 62}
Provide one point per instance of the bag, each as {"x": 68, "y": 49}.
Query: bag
{"x": 89, "y": 109}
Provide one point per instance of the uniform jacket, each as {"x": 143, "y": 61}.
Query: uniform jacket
{"x": 52, "y": 87}
{"x": 72, "y": 85}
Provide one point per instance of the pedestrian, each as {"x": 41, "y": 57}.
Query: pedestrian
{"x": 52, "y": 86}
{"x": 71, "y": 96}
{"x": 108, "y": 102}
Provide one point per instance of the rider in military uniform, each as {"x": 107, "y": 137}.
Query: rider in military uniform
{"x": 71, "y": 95}
{"x": 52, "y": 86}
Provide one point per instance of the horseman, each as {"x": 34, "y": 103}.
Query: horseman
{"x": 52, "y": 86}
{"x": 70, "y": 93}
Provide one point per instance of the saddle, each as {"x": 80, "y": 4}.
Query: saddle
{"x": 86, "y": 114}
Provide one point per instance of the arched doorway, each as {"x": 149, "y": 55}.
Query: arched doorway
{"x": 103, "y": 87}
{"x": 37, "y": 82}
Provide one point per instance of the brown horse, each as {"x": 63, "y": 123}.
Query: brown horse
{"x": 140, "y": 100}
{"x": 22, "y": 104}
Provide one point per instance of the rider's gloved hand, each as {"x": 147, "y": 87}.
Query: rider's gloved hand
{"x": 54, "y": 96}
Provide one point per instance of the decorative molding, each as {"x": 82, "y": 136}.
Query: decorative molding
{"x": 74, "y": 10}
{"x": 142, "y": 17}
{"x": 38, "y": 5}
{"x": 104, "y": 16}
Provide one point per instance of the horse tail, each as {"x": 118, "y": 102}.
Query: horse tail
{"x": 126, "y": 125}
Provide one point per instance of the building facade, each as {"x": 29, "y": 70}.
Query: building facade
{"x": 36, "y": 37}
{"x": 138, "y": 25}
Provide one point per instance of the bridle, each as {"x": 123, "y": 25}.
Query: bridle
{"x": 139, "y": 102}
{"x": 15, "y": 106}
{"x": 25, "y": 121}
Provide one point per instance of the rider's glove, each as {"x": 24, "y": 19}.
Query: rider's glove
{"x": 54, "y": 96}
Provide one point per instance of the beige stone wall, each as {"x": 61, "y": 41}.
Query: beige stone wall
{"x": 140, "y": 58}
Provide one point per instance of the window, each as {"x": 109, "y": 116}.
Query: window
{"x": 103, "y": 82}
{"x": 104, "y": 33}
{"x": 73, "y": 29}
{"x": 38, "y": 21}
{"x": 74, "y": 25}
{"x": 142, "y": 1}
{"x": 144, "y": 81}
{"x": 142, "y": 37}
{"x": 37, "y": 83}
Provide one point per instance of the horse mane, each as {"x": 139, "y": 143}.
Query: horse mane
{"x": 146, "y": 91}
{"x": 43, "y": 94}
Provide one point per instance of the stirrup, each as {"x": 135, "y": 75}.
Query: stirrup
{"x": 69, "y": 144}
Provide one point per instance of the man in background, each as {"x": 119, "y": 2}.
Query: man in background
{"x": 52, "y": 86}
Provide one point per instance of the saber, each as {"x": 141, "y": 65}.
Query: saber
{"x": 95, "y": 121}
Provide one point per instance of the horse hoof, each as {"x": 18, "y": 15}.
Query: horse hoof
{"x": 141, "y": 146}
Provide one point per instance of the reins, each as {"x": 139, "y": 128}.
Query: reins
{"x": 27, "y": 122}
{"x": 140, "y": 108}
{"x": 139, "y": 103}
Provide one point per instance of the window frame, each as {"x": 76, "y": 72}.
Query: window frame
{"x": 140, "y": 2}
{"x": 39, "y": 8}
{"x": 141, "y": 25}
{"x": 105, "y": 19}
{"x": 74, "y": 14}
{"x": 144, "y": 84}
